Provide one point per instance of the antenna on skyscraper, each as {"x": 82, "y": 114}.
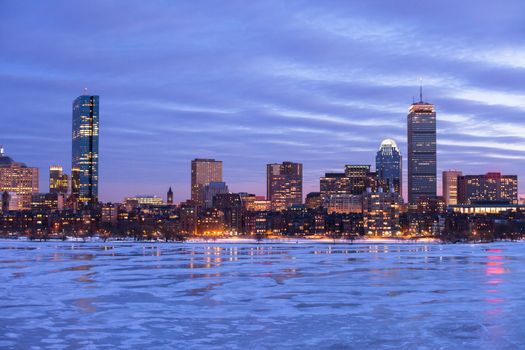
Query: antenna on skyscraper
{"x": 420, "y": 89}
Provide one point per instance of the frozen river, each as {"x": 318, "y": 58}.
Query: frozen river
{"x": 242, "y": 296}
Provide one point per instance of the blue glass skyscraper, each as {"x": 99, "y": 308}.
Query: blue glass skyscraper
{"x": 84, "y": 160}
{"x": 388, "y": 165}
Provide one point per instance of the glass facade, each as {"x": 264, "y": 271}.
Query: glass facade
{"x": 85, "y": 157}
{"x": 388, "y": 165}
{"x": 421, "y": 126}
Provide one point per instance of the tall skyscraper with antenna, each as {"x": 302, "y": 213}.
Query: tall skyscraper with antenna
{"x": 84, "y": 159}
{"x": 422, "y": 156}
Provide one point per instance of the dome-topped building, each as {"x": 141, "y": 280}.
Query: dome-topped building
{"x": 388, "y": 165}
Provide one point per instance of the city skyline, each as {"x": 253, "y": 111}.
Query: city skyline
{"x": 324, "y": 94}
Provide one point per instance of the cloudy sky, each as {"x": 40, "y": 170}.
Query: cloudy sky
{"x": 255, "y": 82}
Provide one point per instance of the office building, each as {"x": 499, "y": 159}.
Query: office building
{"x": 85, "y": 156}
{"x": 381, "y": 213}
{"x": 313, "y": 200}
{"x": 421, "y": 127}
{"x": 210, "y": 190}
{"x": 361, "y": 178}
{"x": 334, "y": 184}
{"x": 284, "y": 185}
{"x": 491, "y": 187}
{"x": 47, "y": 201}
{"x": 17, "y": 178}
{"x": 343, "y": 204}
{"x": 204, "y": 171}
{"x": 58, "y": 181}
{"x": 389, "y": 166}
{"x": 450, "y": 186}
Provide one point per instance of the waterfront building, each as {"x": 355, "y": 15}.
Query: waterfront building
{"x": 110, "y": 213}
{"x": 389, "y": 166}
{"x": 232, "y": 207}
{"x": 169, "y": 197}
{"x": 19, "y": 179}
{"x": 210, "y": 190}
{"x": 450, "y": 186}
{"x": 491, "y": 187}
{"x": 381, "y": 213}
{"x": 211, "y": 222}
{"x": 421, "y": 129}
{"x": 204, "y": 171}
{"x": 85, "y": 156}
{"x": 284, "y": 185}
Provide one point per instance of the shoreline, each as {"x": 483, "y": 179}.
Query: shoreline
{"x": 254, "y": 241}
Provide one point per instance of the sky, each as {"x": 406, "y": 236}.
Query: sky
{"x": 257, "y": 82}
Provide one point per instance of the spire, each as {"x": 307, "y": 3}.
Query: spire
{"x": 420, "y": 89}
{"x": 1, "y": 150}
{"x": 85, "y": 91}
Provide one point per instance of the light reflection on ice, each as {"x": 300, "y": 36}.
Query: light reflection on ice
{"x": 121, "y": 295}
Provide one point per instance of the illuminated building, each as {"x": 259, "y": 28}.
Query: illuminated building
{"x": 450, "y": 186}
{"x": 58, "y": 181}
{"x": 430, "y": 205}
{"x": 204, "y": 171}
{"x": 489, "y": 187}
{"x": 188, "y": 217}
{"x": 343, "y": 203}
{"x": 84, "y": 161}
{"x": 169, "y": 197}
{"x": 486, "y": 208}
{"x": 381, "y": 213}
{"x": 211, "y": 223}
{"x": 421, "y": 127}
{"x": 6, "y": 202}
{"x": 284, "y": 185}
{"x": 210, "y": 190}
{"x": 19, "y": 179}
{"x": 389, "y": 165}
{"x": 313, "y": 200}
{"x": 109, "y": 213}
{"x": 47, "y": 201}
{"x": 360, "y": 178}
{"x": 232, "y": 207}
{"x": 333, "y": 184}
{"x": 140, "y": 200}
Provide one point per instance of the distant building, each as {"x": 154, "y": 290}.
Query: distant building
{"x": 343, "y": 203}
{"x": 284, "y": 185}
{"x": 6, "y": 202}
{"x": 421, "y": 127}
{"x": 140, "y": 200}
{"x": 85, "y": 156}
{"x": 389, "y": 165}
{"x": 110, "y": 213}
{"x": 313, "y": 200}
{"x": 232, "y": 207}
{"x": 334, "y": 184}
{"x": 491, "y": 187}
{"x": 58, "y": 181}
{"x": 47, "y": 201}
{"x": 204, "y": 171}
{"x": 450, "y": 186}
{"x": 19, "y": 179}
{"x": 360, "y": 178}
{"x": 210, "y": 190}
{"x": 381, "y": 213}
{"x": 169, "y": 197}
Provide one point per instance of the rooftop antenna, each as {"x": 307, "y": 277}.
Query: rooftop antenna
{"x": 85, "y": 91}
{"x": 1, "y": 150}
{"x": 420, "y": 89}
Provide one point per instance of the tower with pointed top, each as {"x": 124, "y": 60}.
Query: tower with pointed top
{"x": 422, "y": 155}
{"x": 169, "y": 196}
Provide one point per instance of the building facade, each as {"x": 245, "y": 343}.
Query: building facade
{"x": 381, "y": 213}
{"x": 389, "y": 166}
{"x": 491, "y": 187}
{"x": 204, "y": 171}
{"x": 17, "y": 178}
{"x": 450, "y": 186}
{"x": 58, "y": 181}
{"x": 210, "y": 190}
{"x": 284, "y": 185}
{"x": 421, "y": 127}
{"x": 85, "y": 156}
